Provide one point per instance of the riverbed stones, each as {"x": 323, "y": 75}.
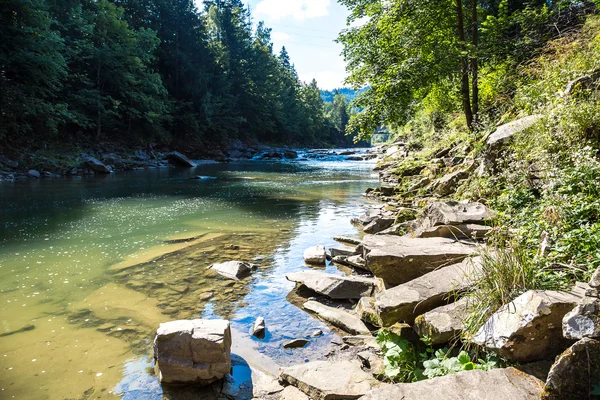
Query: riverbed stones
{"x": 347, "y": 240}
{"x": 336, "y": 287}
{"x": 443, "y": 324}
{"x": 496, "y": 384}
{"x": 325, "y": 380}
{"x": 583, "y": 321}
{"x": 32, "y": 173}
{"x": 235, "y": 270}
{"x": 379, "y": 224}
{"x": 296, "y": 343}
{"x": 575, "y": 373}
{"x": 408, "y": 300}
{"x": 344, "y": 251}
{"x": 97, "y": 166}
{"x": 193, "y": 351}
{"x": 339, "y": 318}
{"x": 315, "y": 255}
{"x": 530, "y": 327}
{"x": 179, "y": 159}
{"x": 397, "y": 259}
{"x": 258, "y": 328}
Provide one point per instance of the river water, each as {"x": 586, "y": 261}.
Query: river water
{"x": 89, "y": 267}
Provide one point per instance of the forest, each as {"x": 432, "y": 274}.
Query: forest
{"x": 152, "y": 72}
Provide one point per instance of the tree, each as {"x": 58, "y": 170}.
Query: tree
{"x": 339, "y": 112}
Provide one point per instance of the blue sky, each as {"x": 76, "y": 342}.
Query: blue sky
{"x": 307, "y": 29}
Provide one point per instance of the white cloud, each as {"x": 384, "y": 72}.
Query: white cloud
{"x": 279, "y": 36}
{"x": 327, "y": 80}
{"x": 297, "y": 9}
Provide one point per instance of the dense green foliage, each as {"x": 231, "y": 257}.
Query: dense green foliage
{"x": 150, "y": 72}
{"x": 411, "y": 362}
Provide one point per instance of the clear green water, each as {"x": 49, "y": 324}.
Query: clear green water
{"x": 90, "y": 267}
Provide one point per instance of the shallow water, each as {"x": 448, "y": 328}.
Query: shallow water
{"x": 89, "y": 267}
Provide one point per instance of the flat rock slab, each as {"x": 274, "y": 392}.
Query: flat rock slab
{"x": 455, "y": 213}
{"x": 315, "y": 255}
{"x": 357, "y": 262}
{"x": 530, "y": 327}
{"x": 339, "y": 318}
{"x": 467, "y": 231}
{"x": 409, "y": 300}
{"x": 444, "y": 323}
{"x": 400, "y": 259}
{"x": 193, "y": 351}
{"x": 575, "y": 372}
{"x": 497, "y": 384}
{"x": 344, "y": 251}
{"x": 507, "y": 131}
{"x": 324, "y": 380}
{"x": 235, "y": 270}
{"x": 334, "y": 286}
{"x": 179, "y": 159}
{"x": 347, "y": 240}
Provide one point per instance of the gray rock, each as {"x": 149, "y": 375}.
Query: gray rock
{"x": 530, "y": 327}
{"x": 497, "y": 384}
{"x": 365, "y": 309}
{"x": 324, "y": 380}
{"x": 379, "y": 224}
{"x": 34, "y": 174}
{"x": 408, "y": 300}
{"x": 372, "y": 361}
{"x": 9, "y": 163}
{"x": 347, "y": 240}
{"x": 357, "y": 262}
{"x": 193, "y": 351}
{"x": 315, "y": 255}
{"x": 583, "y": 321}
{"x": 179, "y": 159}
{"x": 317, "y": 333}
{"x": 344, "y": 251}
{"x": 595, "y": 281}
{"x": 235, "y": 270}
{"x": 444, "y": 323}
{"x": 334, "y": 286}
{"x": 469, "y": 231}
{"x": 507, "y": 131}
{"x": 296, "y": 343}
{"x": 339, "y": 318}
{"x": 448, "y": 184}
{"x": 97, "y": 166}
{"x": 397, "y": 259}
{"x": 575, "y": 372}
{"x": 582, "y": 82}
{"x": 362, "y": 341}
{"x": 258, "y": 328}
{"x": 292, "y": 393}
{"x": 457, "y": 213}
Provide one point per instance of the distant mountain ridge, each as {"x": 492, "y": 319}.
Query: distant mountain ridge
{"x": 348, "y": 93}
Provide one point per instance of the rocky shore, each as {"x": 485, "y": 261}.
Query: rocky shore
{"x": 43, "y": 166}
{"x": 406, "y": 274}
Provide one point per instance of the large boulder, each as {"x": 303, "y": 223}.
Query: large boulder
{"x": 397, "y": 259}
{"x": 506, "y": 132}
{"x": 334, "y": 286}
{"x": 235, "y": 270}
{"x": 179, "y": 159}
{"x": 443, "y": 324}
{"x": 315, "y": 255}
{"x": 325, "y": 380}
{"x": 97, "y": 165}
{"x": 576, "y": 373}
{"x": 530, "y": 327}
{"x": 339, "y": 318}
{"x": 193, "y": 351}
{"x": 448, "y": 184}
{"x": 583, "y": 321}
{"x": 453, "y": 220}
{"x": 411, "y": 299}
{"x": 497, "y": 384}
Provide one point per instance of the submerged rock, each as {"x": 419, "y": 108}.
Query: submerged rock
{"x": 338, "y": 318}
{"x": 258, "y": 328}
{"x": 408, "y": 300}
{"x": 193, "y": 351}
{"x": 398, "y": 259}
{"x": 497, "y": 384}
{"x": 530, "y": 327}
{"x": 315, "y": 255}
{"x": 179, "y": 159}
{"x": 334, "y": 286}
{"x": 296, "y": 343}
{"x": 325, "y": 380}
{"x": 234, "y": 269}
{"x": 576, "y": 372}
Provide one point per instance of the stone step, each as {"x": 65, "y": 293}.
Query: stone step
{"x": 443, "y": 324}
{"x": 400, "y": 259}
{"x": 409, "y": 300}
{"x": 339, "y": 318}
{"x": 336, "y": 287}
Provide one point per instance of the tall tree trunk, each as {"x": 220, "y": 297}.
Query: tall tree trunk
{"x": 475, "y": 62}
{"x": 464, "y": 66}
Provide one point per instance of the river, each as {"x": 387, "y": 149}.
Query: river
{"x": 89, "y": 267}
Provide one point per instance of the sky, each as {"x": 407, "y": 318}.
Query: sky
{"x": 307, "y": 29}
